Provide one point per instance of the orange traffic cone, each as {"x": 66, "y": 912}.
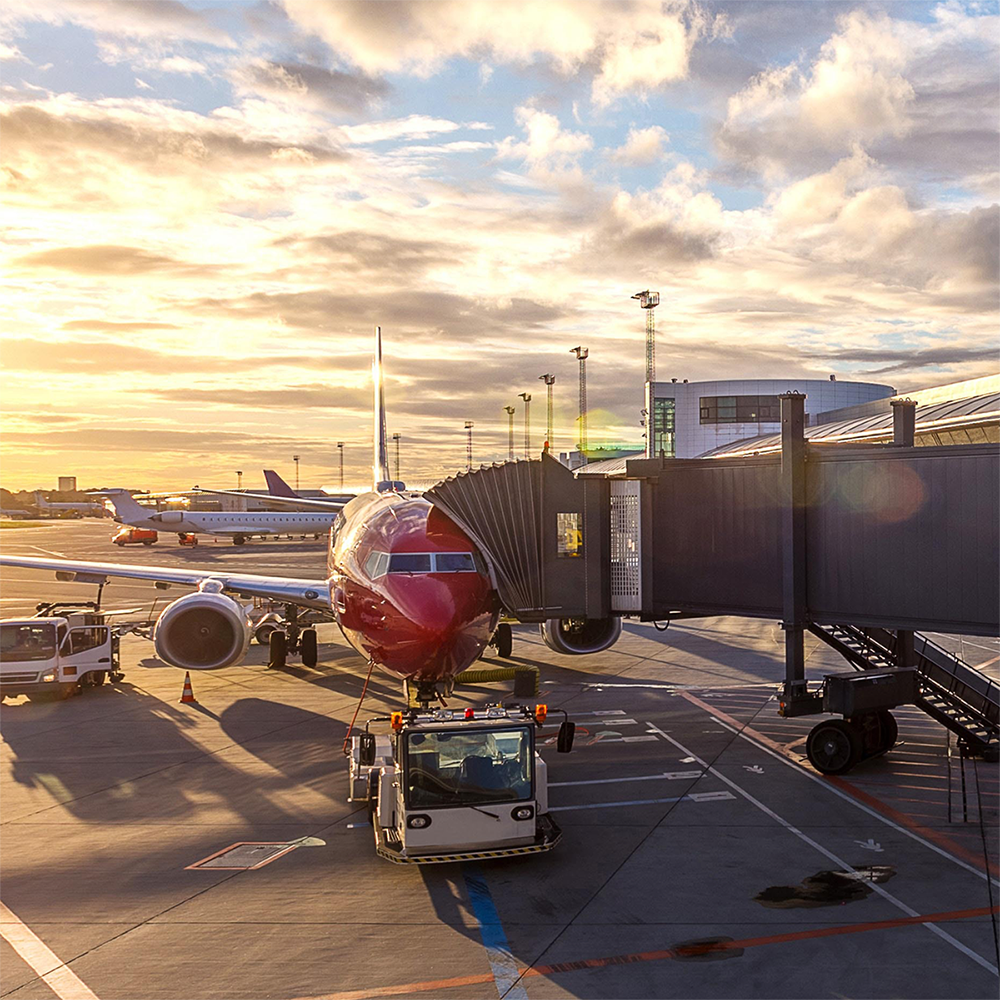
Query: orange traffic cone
{"x": 187, "y": 695}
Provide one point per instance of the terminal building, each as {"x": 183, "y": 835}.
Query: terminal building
{"x": 686, "y": 419}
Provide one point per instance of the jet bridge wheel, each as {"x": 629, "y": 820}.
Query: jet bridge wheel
{"x": 503, "y": 639}
{"x": 834, "y": 746}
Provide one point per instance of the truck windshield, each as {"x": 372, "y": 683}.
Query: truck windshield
{"x": 27, "y": 642}
{"x": 468, "y": 768}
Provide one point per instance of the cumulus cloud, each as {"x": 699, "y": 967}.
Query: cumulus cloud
{"x": 642, "y": 147}
{"x": 547, "y": 147}
{"x": 634, "y": 46}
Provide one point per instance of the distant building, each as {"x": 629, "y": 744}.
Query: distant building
{"x": 686, "y": 419}
{"x": 67, "y": 484}
{"x": 573, "y": 460}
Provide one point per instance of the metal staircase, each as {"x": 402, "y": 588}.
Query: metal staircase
{"x": 949, "y": 690}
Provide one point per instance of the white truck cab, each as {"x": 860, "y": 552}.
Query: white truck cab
{"x": 54, "y": 656}
{"x": 455, "y": 785}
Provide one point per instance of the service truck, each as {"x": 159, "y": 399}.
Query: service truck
{"x": 456, "y": 785}
{"x": 57, "y": 653}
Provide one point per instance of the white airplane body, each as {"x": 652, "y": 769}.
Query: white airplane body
{"x": 237, "y": 524}
{"x": 81, "y": 507}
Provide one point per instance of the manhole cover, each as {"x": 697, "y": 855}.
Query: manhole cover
{"x": 247, "y": 854}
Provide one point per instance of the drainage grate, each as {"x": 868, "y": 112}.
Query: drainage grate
{"x": 244, "y": 855}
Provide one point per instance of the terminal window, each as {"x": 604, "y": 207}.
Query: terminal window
{"x": 663, "y": 427}
{"x": 739, "y": 409}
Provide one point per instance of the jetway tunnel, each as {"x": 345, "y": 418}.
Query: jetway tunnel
{"x": 884, "y": 541}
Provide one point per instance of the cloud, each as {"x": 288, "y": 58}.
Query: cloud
{"x": 910, "y": 359}
{"x": 625, "y": 47}
{"x": 109, "y": 326}
{"x": 643, "y": 146}
{"x": 377, "y": 253}
{"x": 411, "y": 127}
{"x": 106, "y": 260}
{"x": 312, "y": 86}
{"x": 151, "y": 19}
{"x": 547, "y": 148}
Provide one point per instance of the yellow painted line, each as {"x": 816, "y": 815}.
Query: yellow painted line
{"x": 56, "y": 974}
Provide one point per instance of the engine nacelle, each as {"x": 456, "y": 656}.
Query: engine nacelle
{"x": 169, "y": 517}
{"x": 203, "y": 631}
{"x": 580, "y": 635}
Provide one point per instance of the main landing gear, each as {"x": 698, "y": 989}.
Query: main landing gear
{"x": 293, "y": 638}
{"x": 835, "y": 745}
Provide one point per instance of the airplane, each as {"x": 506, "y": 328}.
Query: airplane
{"x": 238, "y": 525}
{"x": 408, "y": 588}
{"x": 55, "y": 509}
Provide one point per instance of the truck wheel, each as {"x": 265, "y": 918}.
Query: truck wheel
{"x": 503, "y": 638}
{"x": 263, "y": 634}
{"x": 120, "y": 545}
{"x": 278, "y": 644}
{"x": 834, "y": 746}
{"x": 307, "y": 647}
{"x": 147, "y": 541}
{"x": 97, "y": 677}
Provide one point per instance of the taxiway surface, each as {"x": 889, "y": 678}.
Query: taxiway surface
{"x": 689, "y": 815}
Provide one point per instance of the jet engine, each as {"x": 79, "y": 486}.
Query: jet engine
{"x": 169, "y": 517}
{"x": 203, "y": 631}
{"x": 580, "y": 635}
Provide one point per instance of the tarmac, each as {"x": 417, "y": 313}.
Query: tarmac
{"x": 701, "y": 854}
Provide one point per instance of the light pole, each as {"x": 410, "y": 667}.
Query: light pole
{"x": 340, "y": 452}
{"x": 509, "y": 410}
{"x": 396, "y": 438}
{"x": 295, "y": 459}
{"x": 469, "y": 424}
{"x": 549, "y": 381}
{"x": 526, "y": 396}
{"x": 239, "y": 479}
{"x": 582, "y": 353}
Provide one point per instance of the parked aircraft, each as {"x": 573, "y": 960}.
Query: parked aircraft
{"x": 405, "y": 584}
{"x": 239, "y": 525}
{"x": 56, "y": 509}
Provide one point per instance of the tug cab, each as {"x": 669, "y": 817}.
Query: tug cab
{"x": 454, "y": 785}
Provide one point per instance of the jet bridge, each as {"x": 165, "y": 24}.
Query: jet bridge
{"x": 877, "y": 540}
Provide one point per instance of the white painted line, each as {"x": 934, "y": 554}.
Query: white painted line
{"x": 843, "y": 865}
{"x": 665, "y": 776}
{"x": 854, "y": 802}
{"x": 697, "y": 797}
{"x": 49, "y": 552}
{"x": 58, "y": 976}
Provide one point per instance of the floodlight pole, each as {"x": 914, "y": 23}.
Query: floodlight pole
{"x": 526, "y": 396}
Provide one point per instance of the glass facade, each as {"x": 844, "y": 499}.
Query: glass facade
{"x": 739, "y": 409}
{"x": 663, "y": 427}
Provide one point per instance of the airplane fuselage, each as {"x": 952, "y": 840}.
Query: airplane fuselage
{"x": 237, "y": 522}
{"x": 408, "y": 588}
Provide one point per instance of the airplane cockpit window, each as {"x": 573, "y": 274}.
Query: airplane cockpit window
{"x": 375, "y": 564}
{"x": 454, "y": 562}
{"x": 410, "y": 562}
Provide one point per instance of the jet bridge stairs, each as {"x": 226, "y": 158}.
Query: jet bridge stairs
{"x": 949, "y": 690}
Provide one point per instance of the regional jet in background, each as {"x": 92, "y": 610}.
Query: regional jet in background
{"x": 408, "y": 588}
{"x": 239, "y": 525}
{"x": 80, "y": 507}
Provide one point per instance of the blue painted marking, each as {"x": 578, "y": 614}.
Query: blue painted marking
{"x": 498, "y": 952}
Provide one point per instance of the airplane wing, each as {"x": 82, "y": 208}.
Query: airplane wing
{"x": 307, "y": 593}
{"x": 329, "y": 506}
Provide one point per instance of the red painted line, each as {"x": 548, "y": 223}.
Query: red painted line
{"x": 942, "y": 840}
{"x": 689, "y": 951}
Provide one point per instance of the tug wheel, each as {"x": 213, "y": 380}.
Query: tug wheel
{"x": 834, "y": 746}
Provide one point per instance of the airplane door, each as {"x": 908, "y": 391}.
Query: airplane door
{"x": 85, "y": 649}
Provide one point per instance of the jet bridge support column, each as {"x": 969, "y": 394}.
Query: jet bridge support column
{"x": 904, "y": 423}
{"x": 796, "y": 701}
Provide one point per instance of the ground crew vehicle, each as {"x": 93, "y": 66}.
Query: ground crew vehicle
{"x": 456, "y": 785}
{"x": 57, "y": 653}
{"x": 134, "y": 536}
{"x": 186, "y": 538}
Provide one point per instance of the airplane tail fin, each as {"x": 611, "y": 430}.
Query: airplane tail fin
{"x": 276, "y": 486}
{"x": 382, "y": 480}
{"x": 125, "y": 506}
{"x": 40, "y": 500}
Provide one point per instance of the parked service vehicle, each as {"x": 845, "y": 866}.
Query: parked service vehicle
{"x": 53, "y": 657}
{"x": 450, "y": 785}
{"x": 186, "y": 538}
{"x": 134, "y": 536}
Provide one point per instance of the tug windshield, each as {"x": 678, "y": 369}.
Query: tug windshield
{"x": 468, "y": 768}
{"x": 27, "y": 642}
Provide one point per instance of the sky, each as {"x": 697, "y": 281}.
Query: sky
{"x": 207, "y": 206}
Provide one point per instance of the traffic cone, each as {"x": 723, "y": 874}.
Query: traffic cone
{"x": 187, "y": 695}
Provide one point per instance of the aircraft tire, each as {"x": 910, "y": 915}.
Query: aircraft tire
{"x": 504, "y": 638}
{"x": 238, "y": 539}
{"x": 278, "y": 647}
{"x": 307, "y": 647}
